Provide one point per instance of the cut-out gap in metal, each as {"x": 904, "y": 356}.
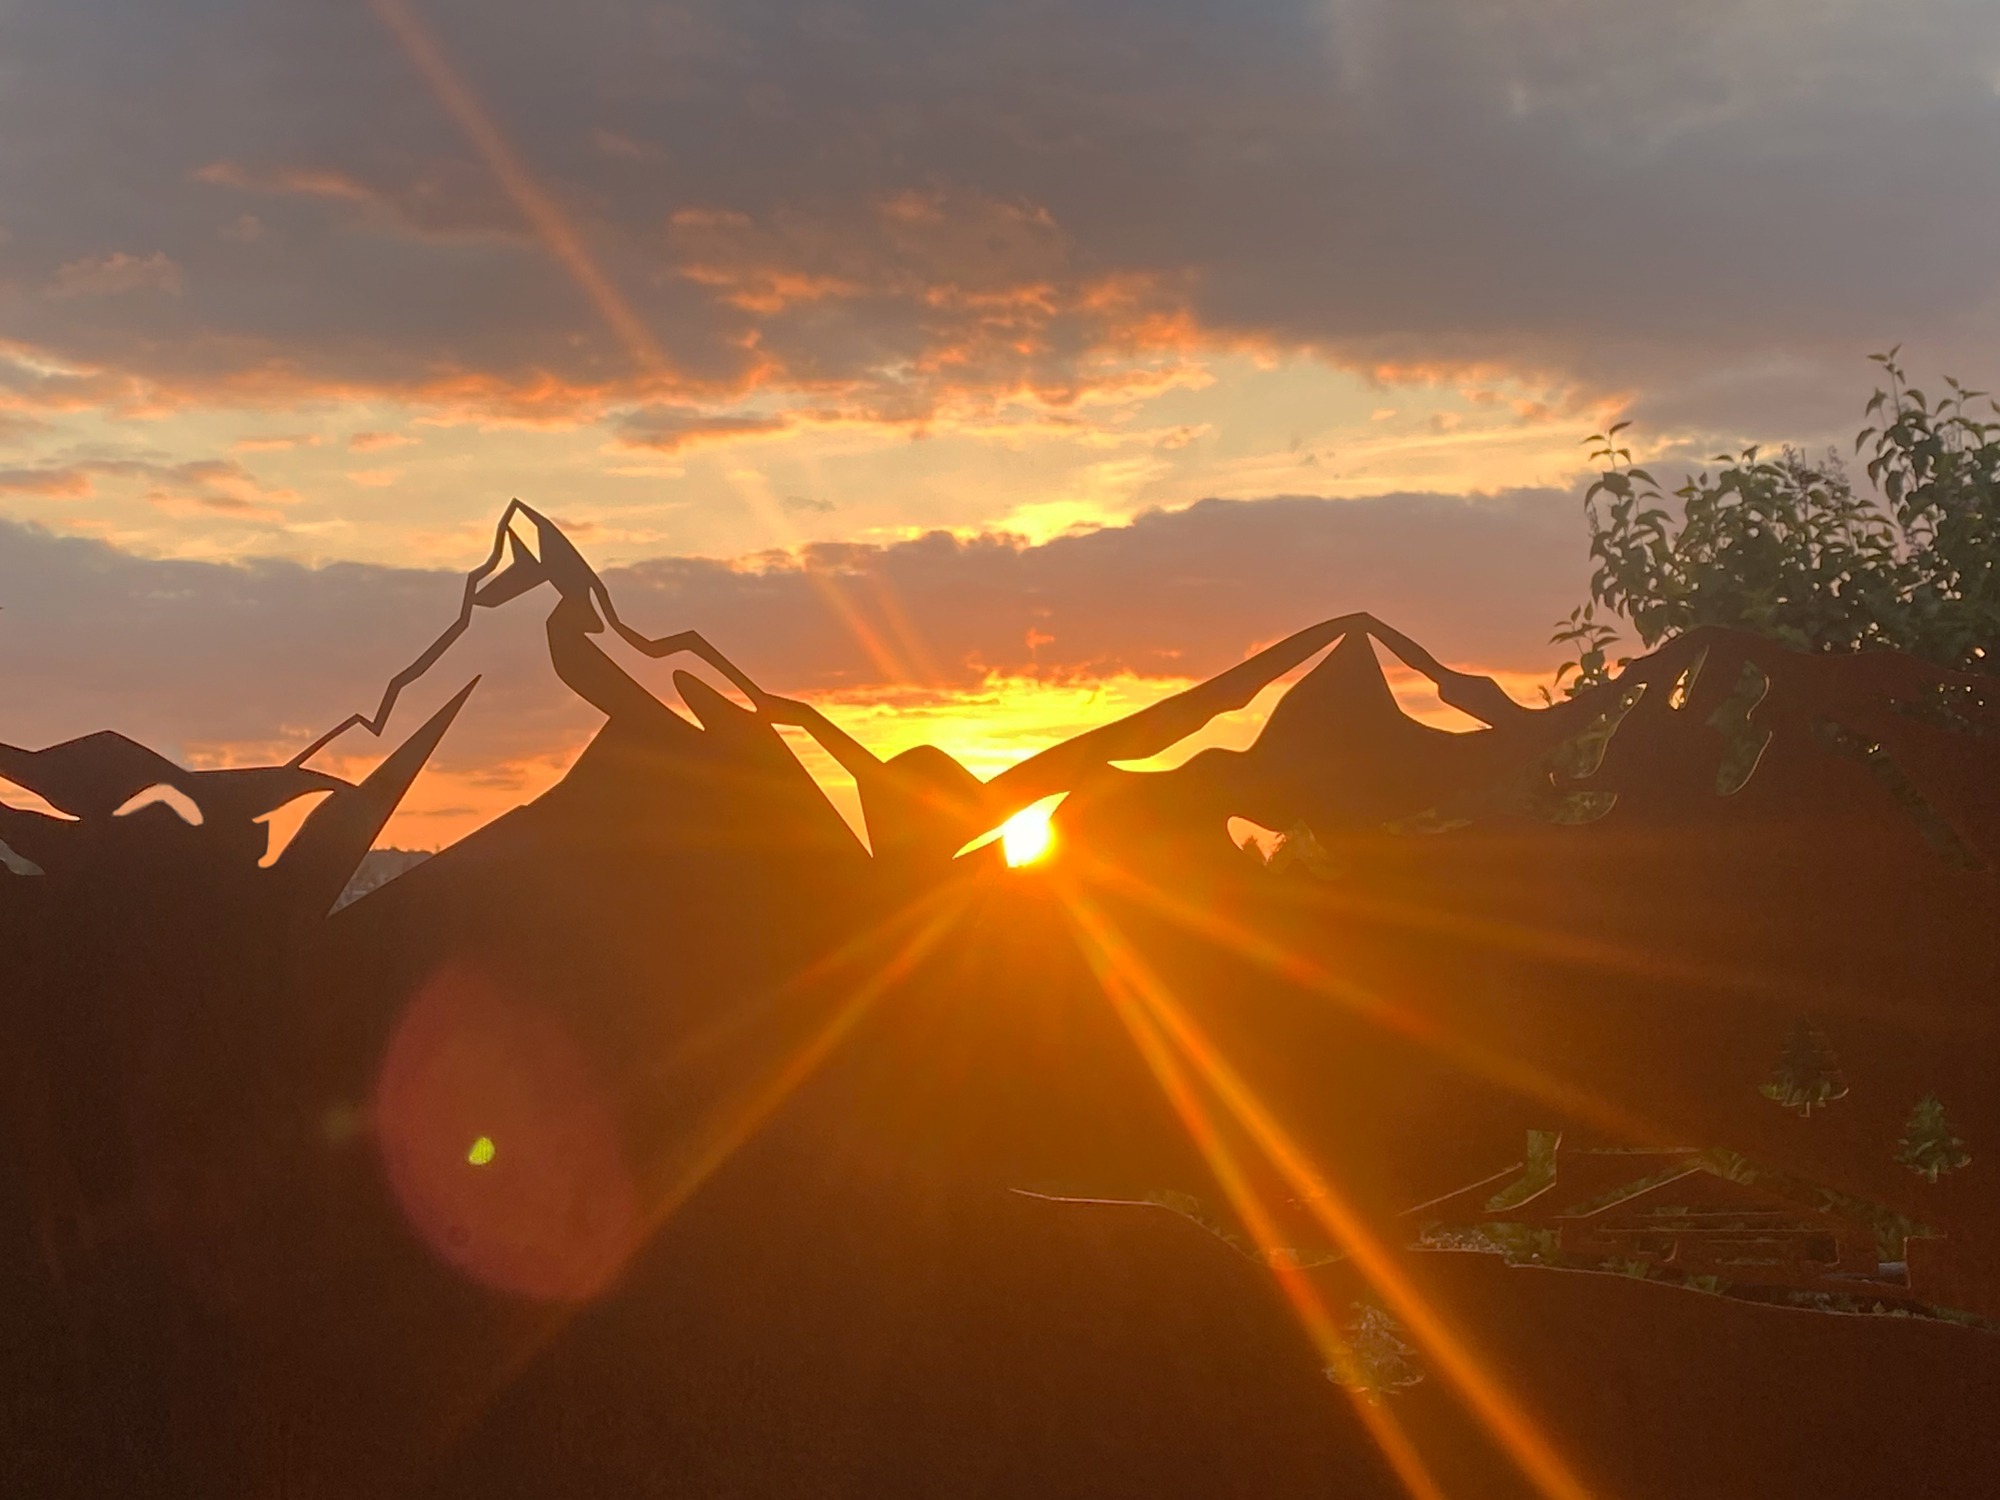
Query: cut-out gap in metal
{"x": 171, "y": 797}
{"x": 1683, "y": 688}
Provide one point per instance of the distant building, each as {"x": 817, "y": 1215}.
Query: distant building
{"x": 377, "y": 868}
{"x": 1710, "y": 1220}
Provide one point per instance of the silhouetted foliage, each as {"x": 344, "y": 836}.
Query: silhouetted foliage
{"x": 1378, "y": 1362}
{"x": 1929, "y": 1148}
{"x": 1787, "y": 547}
{"x": 1585, "y": 634}
{"x": 1807, "y": 1075}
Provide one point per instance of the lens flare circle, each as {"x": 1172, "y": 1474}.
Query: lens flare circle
{"x": 555, "y": 1214}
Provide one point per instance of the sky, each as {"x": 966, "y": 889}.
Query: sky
{"x": 980, "y": 370}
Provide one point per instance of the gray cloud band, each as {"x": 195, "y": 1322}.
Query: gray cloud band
{"x": 1703, "y": 202}
{"x": 180, "y": 653}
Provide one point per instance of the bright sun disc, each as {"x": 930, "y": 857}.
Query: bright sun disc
{"x": 1025, "y": 837}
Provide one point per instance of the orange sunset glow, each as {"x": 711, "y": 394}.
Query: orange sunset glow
{"x": 724, "y": 380}
{"x": 1085, "y": 749}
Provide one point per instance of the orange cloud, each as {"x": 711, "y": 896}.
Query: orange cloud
{"x": 369, "y": 442}
{"x": 34, "y": 380}
{"x": 39, "y": 381}
{"x": 911, "y": 309}
{"x": 309, "y": 182}
{"x": 276, "y": 444}
{"x": 64, "y": 483}
{"x": 222, "y": 486}
{"x": 438, "y": 200}
{"x": 927, "y": 301}
{"x": 217, "y": 486}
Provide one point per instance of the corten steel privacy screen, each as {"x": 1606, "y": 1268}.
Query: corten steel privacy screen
{"x": 1597, "y": 1102}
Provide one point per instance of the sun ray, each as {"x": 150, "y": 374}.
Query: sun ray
{"x": 1588, "y": 952}
{"x": 544, "y": 215}
{"x": 752, "y": 489}
{"x": 1498, "y": 1412}
{"x": 892, "y": 667}
{"x": 734, "y": 1124}
{"x": 1510, "y": 1072}
{"x": 1298, "y": 1289}
{"x": 915, "y": 652}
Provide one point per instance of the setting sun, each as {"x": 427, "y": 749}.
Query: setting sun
{"x": 1026, "y": 837}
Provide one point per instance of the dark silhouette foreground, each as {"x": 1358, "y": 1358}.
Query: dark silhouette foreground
{"x": 658, "y": 1139}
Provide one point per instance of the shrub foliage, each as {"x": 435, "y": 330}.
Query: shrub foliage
{"x": 1787, "y": 546}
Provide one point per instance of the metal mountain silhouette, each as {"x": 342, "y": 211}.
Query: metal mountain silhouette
{"x": 659, "y": 1138}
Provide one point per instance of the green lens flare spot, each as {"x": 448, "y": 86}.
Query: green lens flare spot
{"x": 481, "y": 1152}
